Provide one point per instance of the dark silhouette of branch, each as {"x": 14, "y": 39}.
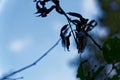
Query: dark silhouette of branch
{"x": 44, "y": 11}
{"x": 94, "y": 41}
{"x": 69, "y": 21}
{"x": 60, "y": 11}
{"x": 32, "y": 64}
{"x": 14, "y": 78}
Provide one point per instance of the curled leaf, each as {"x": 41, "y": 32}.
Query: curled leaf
{"x": 37, "y": 6}
{"x": 63, "y": 34}
{"x": 64, "y": 27}
{"x": 75, "y": 14}
{"x": 82, "y": 21}
{"x": 40, "y": 10}
{"x": 63, "y": 39}
{"x": 91, "y": 25}
{"x": 81, "y": 41}
{"x": 68, "y": 41}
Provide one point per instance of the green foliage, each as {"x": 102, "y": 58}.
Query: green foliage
{"x": 80, "y": 73}
{"x": 97, "y": 72}
{"x": 111, "y": 50}
{"x": 85, "y": 72}
{"x": 111, "y": 9}
{"x": 111, "y": 53}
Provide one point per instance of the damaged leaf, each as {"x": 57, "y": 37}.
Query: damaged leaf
{"x": 82, "y": 20}
{"x": 68, "y": 41}
{"x": 65, "y": 38}
{"x": 91, "y": 25}
{"x": 75, "y": 14}
{"x": 63, "y": 33}
{"x": 42, "y": 10}
{"x": 81, "y": 41}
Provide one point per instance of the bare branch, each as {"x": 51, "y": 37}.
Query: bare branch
{"x": 32, "y": 64}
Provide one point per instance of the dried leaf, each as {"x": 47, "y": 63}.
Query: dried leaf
{"x": 81, "y": 41}
{"x": 64, "y": 27}
{"x": 63, "y": 34}
{"x": 75, "y": 14}
{"x": 63, "y": 39}
{"x": 91, "y": 25}
{"x": 75, "y": 21}
{"x": 40, "y": 10}
{"x": 82, "y": 22}
{"x": 37, "y": 5}
{"x": 68, "y": 41}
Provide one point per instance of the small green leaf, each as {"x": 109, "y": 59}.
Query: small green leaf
{"x": 111, "y": 50}
{"x": 82, "y": 41}
{"x": 64, "y": 27}
{"x": 80, "y": 73}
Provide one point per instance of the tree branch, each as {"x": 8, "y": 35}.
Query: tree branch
{"x": 69, "y": 21}
{"x": 94, "y": 41}
{"x": 32, "y": 64}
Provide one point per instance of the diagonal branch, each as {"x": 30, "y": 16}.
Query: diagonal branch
{"x": 32, "y": 64}
{"x": 93, "y": 40}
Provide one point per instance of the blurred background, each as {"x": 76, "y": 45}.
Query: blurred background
{"x": 25, "y": 37}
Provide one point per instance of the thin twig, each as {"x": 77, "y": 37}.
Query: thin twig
{"x": 30, "y": 65}
{"x": 109, "y": 73}
{"x": 93, "y": 41}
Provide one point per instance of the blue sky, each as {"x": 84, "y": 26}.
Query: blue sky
{"x": 24, "y": 38}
